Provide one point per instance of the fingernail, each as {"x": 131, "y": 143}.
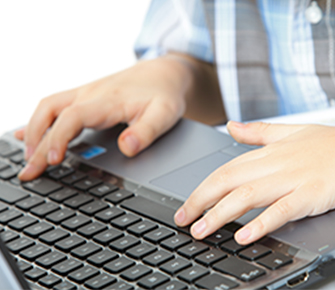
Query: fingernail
{"x": 52, "y": 156}
{"x": 28, "y": 152}
{"x": 237, "y": 124}
{"x": 132, "y": 143}
{"x": 26, "y": 170}
{"x": 199, "y": 227}
{"x": 180, "y": 216}
{"x": 243, "y": 234}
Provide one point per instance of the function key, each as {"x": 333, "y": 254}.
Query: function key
{"x": 158, "y": 235}
{"x": 239, "y": 269}
{"x": 87, "y": 183}
{"x": 210, "y": 257}
{"x": 103, "y": 189}
{"x": 255, "y": 252}
{"x": 74, "y": 177}
{"x": 215, "y": 281}
{"x": 93, "y": 207}
{"x": 60, "y": 172}
{"x": 42, "y": 186}
{"x": 176, "y": 242}
{"x": 63, "y": 194}
{"x": 191, "y": 274}
{"x": 78, "y": 200}
{"x": 219, "y": 237}
{"x": 118, "y": 196}
{"x": 275, "y": 260}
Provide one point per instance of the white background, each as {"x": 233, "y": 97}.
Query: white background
{"x": 50, "y": 46}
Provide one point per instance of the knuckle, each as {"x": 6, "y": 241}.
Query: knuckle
{"x": 260, "y": 225}
{"x": 245, "y": 192}
{"x": 283, "y": 208}
{"x": 220, "y": 176}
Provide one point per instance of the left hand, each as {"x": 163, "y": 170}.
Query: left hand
{"x": 293, "y": 174}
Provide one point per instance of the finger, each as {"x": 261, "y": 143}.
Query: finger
{"x": 155, "y": 120}
{"x": 19, "y": 134}
{"x": 260, "y": 133}
{"x": 290, "y": 207}
{"x": 219, "y": 184}
{"x": 255, "y": 194}
{"x": 45, "y": 114}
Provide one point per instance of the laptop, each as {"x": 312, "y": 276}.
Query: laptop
{"x": 101, "y": 220}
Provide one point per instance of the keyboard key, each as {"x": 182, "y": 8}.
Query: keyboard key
{"x": 9, "y": 215}
{"x": 53, "y": 236}
{"x": 107, "y": 236}
{"x": 93, "y": 207}
{"x": 191, "y": 274}
{"x": 193, "y": 249}
{"x": 34, "y": 252}
{"x": 176, "y": 242}
{"x": 64, "y": 268}
{"x": 50, "y": 259}
{"x": 20, "y": 244}
{"x": 103, "y": 257}
{"x": 10, "y": 194}
{"x": 9, "y": 150}
{"x": 63, "y": 194}
{"x": 38, "y": 229}
{"x": 75, "y": 222}
{"x": 108, "y": 214}
{"x": 35, "y": 274}
{"x": 60, "y": 215}
{"x": 232, "y": 247}
{"x": 60, "y": 172}
{"x": 42, "y": 186}
{"x": 22, "y": 222}
{"x": 17, "y": 158}
{"x": 78, "y": 200}
{"x": 136, "y": 272}
{"x": 8, "y": 236}
{"x": 153, "y": 281}
{"x": 215, "y": 281}
{"x": 157, "y": 258}
{"x": 29, "y": 202}
{"x": 158, "y": 235}
{"x": 24, "y": 266}
{"x": 176, "y": 265}
{"x": 44, "y": 209}
{"x": 142, "y": 228}
{"x": 3, "y": 207}
{"x": 70, "y": 243}
{"x": 118, "y": 265}
{"x": 211, "y": 257}
{"x": 255, "y": 252}
{"x": 83, "y": 274}
{"x": 275, "y": 260}
{"x": 49, "y": 281}
{"x": 175, "y": 285}
{"x": 3, "y": 165}
{"x": 9, "y": 172}
{"x": 125, "y": 243}
{"x": 65, "y": 285}
{"x": 120, "y": 286}
{"x": 219, "y": 237}
{"x": 91, "y": 229}
{"x": 100, "y": 282}
{"x": 125, "y": 221}
{"x": 118, "y": 196}
{"x": 239, "y": 269}
{"x": 85, "y": 250}
{"x": 74, "y": 177}
{"x": 87, "y": 183}
{"x": 103, "y": 189}
{"x": 141, "y": 250}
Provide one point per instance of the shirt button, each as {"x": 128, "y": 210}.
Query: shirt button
{"x": 313, "y": 13}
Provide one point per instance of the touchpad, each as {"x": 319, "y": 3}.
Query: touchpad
{"x": 184, "y": 180}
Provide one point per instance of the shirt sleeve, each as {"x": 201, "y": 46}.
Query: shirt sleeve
{"x": 175, "y": 25}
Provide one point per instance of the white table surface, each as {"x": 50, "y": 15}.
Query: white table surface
{"x": 50, "y": 46}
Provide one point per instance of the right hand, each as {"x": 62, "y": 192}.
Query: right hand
{"x": 149, "y": 97}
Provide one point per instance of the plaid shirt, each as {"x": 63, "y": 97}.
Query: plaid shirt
{"x": 270, "y": 59}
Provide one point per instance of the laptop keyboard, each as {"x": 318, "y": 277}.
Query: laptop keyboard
{"x": 70, "y": 230}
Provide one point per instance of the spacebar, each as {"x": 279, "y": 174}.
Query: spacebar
{"x": 153, "y": 210}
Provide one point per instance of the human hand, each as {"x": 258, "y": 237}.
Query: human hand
{"x": 293, "y": 174}
{"x": 149, "y": 97}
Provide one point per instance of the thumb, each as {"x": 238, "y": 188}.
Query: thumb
{"x": 260, "y": 133}
{"x": 155, "y": 120}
